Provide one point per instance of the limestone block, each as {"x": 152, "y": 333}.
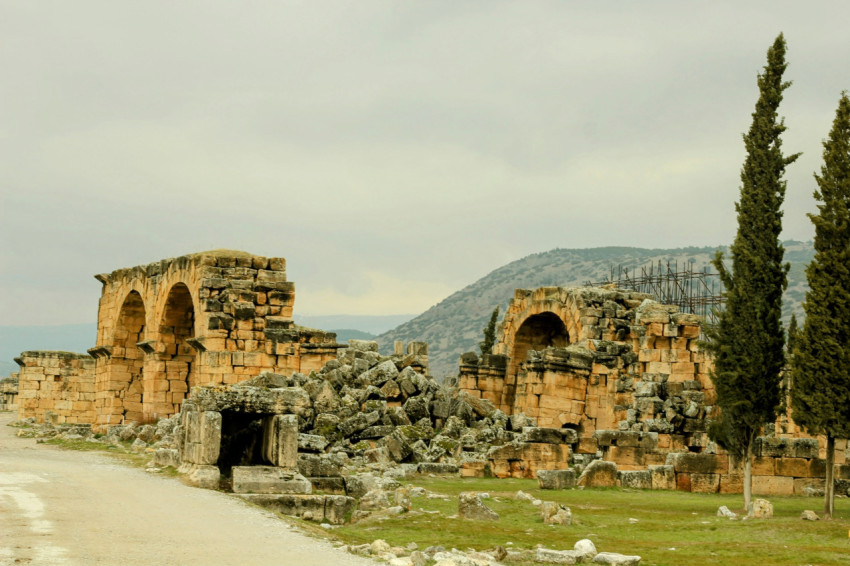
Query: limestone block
{"x": 705, "y": 483}
{"x": 556, "y": 479}
{"x": 615, "y": 559}
{"x": 210, "y": 437}
{"x": 286, "y": 429}
{"x": 732, "y": 483}
{"x": 599, "y": 473}
{"x": 662, "y": 477}
{"x": 470, "y": 506}
{"x": 206, "y": 477}
{"x": 268, "y": 479}
{"x": 773, "y": 485}
{"x": 794, "y": 467}
{"x": 809, "y": 487}
{"x": 687, "y": 462}
{"x": 549, "y": 556}
{"x": 635, "y": 479}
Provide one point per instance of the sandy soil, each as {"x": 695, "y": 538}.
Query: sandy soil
{"x": 81, "y": 508}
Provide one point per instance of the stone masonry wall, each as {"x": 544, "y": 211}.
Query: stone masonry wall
{"x": 204, "y": 319}
{"x": 627, "y": 375}
{"x": 56, "y": 386}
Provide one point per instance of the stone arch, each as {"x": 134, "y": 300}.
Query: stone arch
{"x": 124, "y": 386}
{"x": 536, "y": 332}
{"x": 175, "y": 360}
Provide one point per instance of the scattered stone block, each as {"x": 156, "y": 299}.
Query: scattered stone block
{"x": 268, "y": 479}
{"x": 550, "y": 556}
{"x": 585, "y": 549}
{"x": 556, "y": 479}
{"x": 555, "y": 514}
{"x": 470, "y": 506}
{"x": 724, "y": 511}
{"x": 615, "y": 559}
{"x": 760, "y": 509}
{"x": 809, "y": 515}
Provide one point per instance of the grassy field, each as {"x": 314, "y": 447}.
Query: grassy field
{"x": 672, "y": 528}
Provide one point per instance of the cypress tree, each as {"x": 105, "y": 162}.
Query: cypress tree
{"x": 486, "y": 345}
{"x": 820, "y": 393}
{"x": 748, "y": 340}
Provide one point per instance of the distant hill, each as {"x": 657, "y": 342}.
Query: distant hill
{"x": 372, "y": 324}
{"x": 455, "y": 325}
{"x": 343, "y": 335}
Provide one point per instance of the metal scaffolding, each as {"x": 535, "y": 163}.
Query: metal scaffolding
{"x": 697, "y": 292}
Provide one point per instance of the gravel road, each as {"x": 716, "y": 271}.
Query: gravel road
{"x": 68, "y": 508}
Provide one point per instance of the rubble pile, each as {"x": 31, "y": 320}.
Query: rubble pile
{"x": 364, "y": 411}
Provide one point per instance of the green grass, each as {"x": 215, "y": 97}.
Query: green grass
{"x": 666, "y": 521}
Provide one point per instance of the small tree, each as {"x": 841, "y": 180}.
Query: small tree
{"x": 820, "y": 391}
{"x": 486, "y": 345}
{"x": 748, "y": 340}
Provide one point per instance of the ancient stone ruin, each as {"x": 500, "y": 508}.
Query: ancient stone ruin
{"x": 210, "y": 318}
{"x": 587, "y": 386}
{"x": 625, "y": 375}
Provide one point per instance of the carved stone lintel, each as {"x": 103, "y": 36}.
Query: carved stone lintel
{"x": 100, "y": 351}
{"x": 197, "y": 343}
{"x": 147, "y": 346}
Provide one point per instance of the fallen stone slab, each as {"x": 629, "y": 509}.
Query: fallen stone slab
{"x": 556, "y": 479}
{"x": 616, "y": 559}
{"x": 437, "y": 468}
{"x": 470, "y": 506}
{"x": 557, "y": 556}
{"x": 268, "y": 479}
{"x": 198, "y": 475}
{"x": 330, "y": 508}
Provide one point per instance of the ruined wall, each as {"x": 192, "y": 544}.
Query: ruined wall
{"x": 627, "y": 375}
{"x": 58, "y": 387}
{"x": 9, "y": 393}
{"x": 210, "y": 318}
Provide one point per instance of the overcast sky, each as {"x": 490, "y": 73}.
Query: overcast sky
{"x": 393, "y": 152}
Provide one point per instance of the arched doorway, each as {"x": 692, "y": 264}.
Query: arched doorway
{"x": 175, "y": 358}
{"x": 124, "y": 386}
{"x": 537, "y": 332}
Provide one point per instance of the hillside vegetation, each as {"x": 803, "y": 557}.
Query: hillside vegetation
{"x": 455, "y": 325}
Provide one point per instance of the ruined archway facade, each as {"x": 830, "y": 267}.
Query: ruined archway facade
{"x": 210, "y": 318}
{"x": 599, "y": 361}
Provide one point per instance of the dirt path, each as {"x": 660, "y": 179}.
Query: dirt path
{"x": 80, "y": 508}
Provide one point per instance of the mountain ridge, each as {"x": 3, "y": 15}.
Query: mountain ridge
{"x": 455, "y": 325}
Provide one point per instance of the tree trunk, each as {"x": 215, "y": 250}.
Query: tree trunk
{"x": 829, "y": 482}
{"x": 748, "y": 478}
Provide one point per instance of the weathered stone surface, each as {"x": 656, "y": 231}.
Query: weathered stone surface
{"x": 550, "y": 556}
{"x": 555, "y": 514}
{"x": 470, "y": 506}
{"x": 724, "y": 511}
{"x": 662, "y": 477}
{"x": 438, "y": 469}
{"x": 268, "y": 479}
{"x": 206, "y": 477}
{"x": 635, "y": 479}
{"x": 585, "y": 549}
{"x": 320, "y": 465}
{"x": 549, "y": 435}
{"x": 556, "y": 479}
{"x": 374, "y": 500}
{"x": 809, "y": 515}
{"x": 330, "y": 508}
{"x": 599, "y": 474}
{"x": 616, "y": 559}
{"x": 760, "y": 509}
{"x": 312, "y": 442}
